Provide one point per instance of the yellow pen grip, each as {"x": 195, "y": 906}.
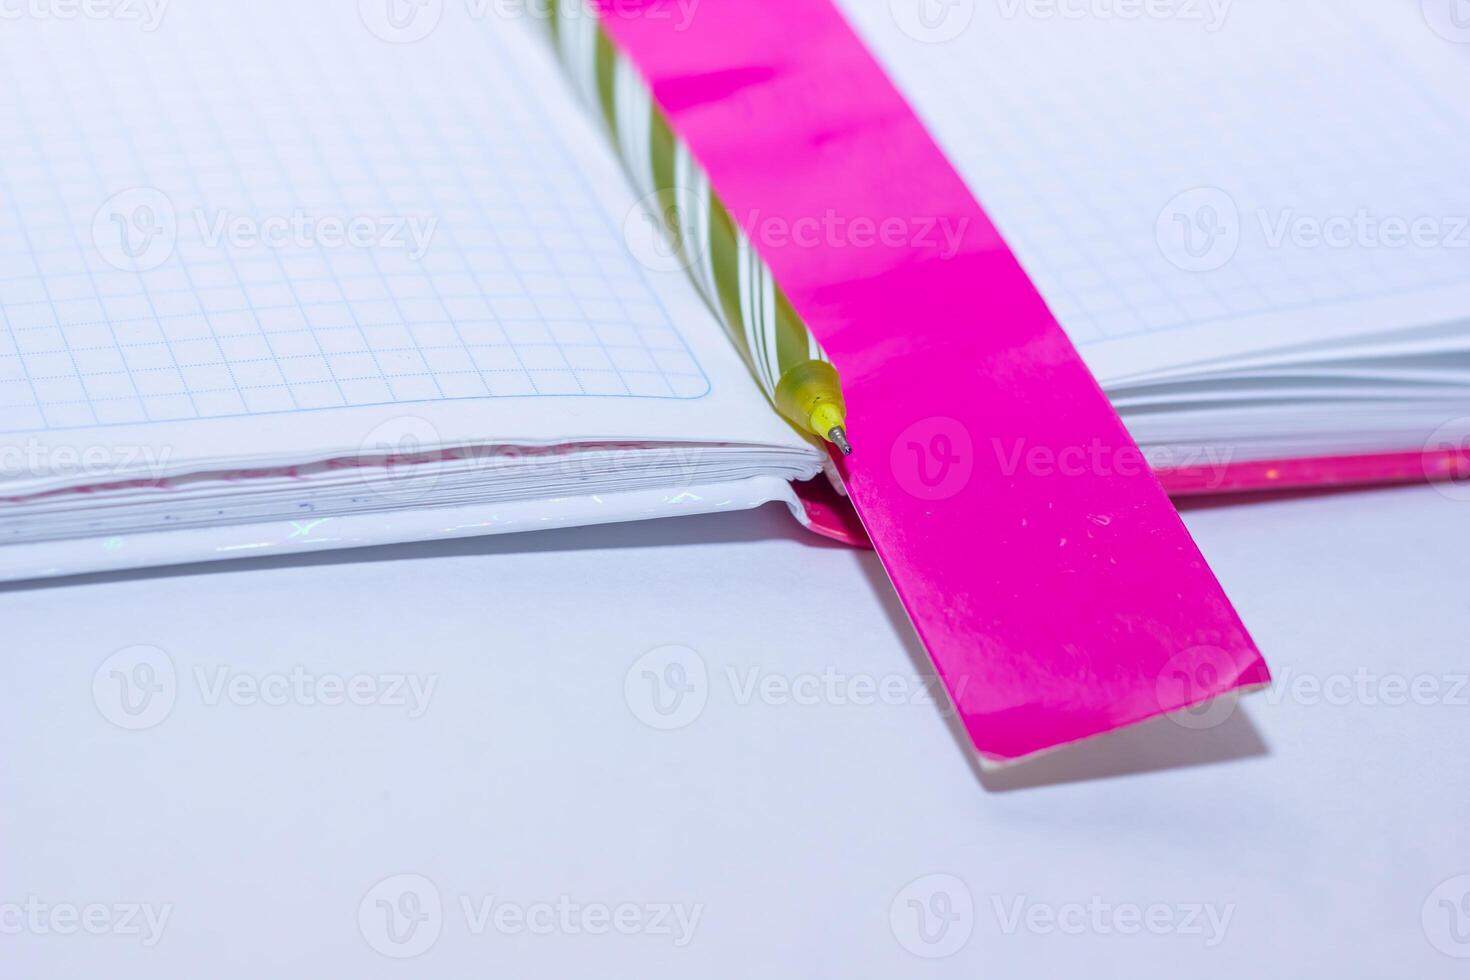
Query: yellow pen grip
{"x": 810, "y": 394}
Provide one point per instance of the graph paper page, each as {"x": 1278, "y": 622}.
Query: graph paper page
{"x": 262, "y": 231}
{"x": 1189, "y": 180}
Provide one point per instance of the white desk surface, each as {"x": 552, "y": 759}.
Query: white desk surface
{"x": 1320, "y": 831}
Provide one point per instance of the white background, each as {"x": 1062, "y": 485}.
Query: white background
{"x": 1322, "y": 825}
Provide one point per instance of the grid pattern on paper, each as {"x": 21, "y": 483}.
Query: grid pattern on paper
{"x": 230, "y": 115}
{"x": 1077, "y": 132}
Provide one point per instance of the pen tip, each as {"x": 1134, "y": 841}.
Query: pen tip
{"x": 838, "y": 437}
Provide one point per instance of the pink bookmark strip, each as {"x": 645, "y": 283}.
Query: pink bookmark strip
{"x": 1048, "y": 575}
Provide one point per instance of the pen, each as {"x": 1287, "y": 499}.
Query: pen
{"x": 778, "y": 348}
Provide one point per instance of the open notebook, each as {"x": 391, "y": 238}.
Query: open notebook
{"x": 199, "y": 361}
{"x": 283, "y": 276}
{"x": 1251, "y": 216}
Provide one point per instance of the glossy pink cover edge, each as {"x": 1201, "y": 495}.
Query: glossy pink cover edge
{"x": 832, "y": 516}
{"x": 1056, "y": 605}
{"x": 1318, "y": 472}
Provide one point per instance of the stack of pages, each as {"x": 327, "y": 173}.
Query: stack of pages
{"x": 281, "y": 276}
